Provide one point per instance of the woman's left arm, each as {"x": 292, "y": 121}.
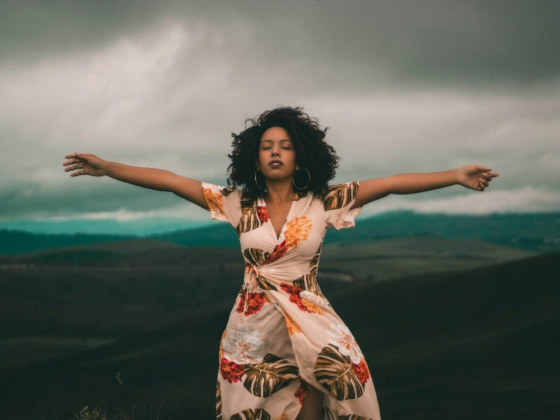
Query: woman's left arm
{"x": 475, "y": 177}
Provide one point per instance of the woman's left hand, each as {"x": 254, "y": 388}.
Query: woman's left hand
{"x": 475, "y": 177}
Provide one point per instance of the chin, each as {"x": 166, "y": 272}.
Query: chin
{"x": 277, "y": 173}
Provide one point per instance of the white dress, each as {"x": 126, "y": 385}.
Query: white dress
{"x": 283, "y": 334}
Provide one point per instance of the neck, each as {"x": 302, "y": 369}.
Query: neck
{"x": 279, "y": 196}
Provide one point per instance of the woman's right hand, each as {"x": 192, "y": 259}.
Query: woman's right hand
{"x": 85, "y": 164}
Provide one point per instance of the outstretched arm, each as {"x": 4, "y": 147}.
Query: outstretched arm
{"x": 152, "y": 178}
{"x": 475, "y": 177}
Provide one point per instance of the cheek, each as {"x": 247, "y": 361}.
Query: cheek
{"x": 292, "y": 157}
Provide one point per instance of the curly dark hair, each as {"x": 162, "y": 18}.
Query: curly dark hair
{"x": 312, "y": 152}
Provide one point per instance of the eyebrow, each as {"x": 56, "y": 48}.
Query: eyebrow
{"x": 272, "y": 141}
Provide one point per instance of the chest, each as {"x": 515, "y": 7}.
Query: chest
{"x": 297, "y": 230}
{"x": 278, "y": 216}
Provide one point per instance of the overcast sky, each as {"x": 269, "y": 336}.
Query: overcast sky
{"x": 404, "y": 86}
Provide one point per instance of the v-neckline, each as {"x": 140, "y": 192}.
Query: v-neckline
{"x": 269, "y": 221}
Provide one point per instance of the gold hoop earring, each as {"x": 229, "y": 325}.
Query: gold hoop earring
{"x": 301, "y": 188}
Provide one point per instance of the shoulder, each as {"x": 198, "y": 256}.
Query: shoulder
{"x": 339, "y": 195}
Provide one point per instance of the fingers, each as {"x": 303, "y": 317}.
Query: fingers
{"x": 73, "y": 167}
{"x": 484, "y": 169}
{"x": 76, "y": 160}
{"x": 481, "y": 184}
{"x": 71, "y": 161}
{"x": 488, "y": 176}
{"x": 484, "y": 177}
{"x": 78, "y": 156}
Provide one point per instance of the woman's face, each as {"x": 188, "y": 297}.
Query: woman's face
{"x": 276, "y": 144}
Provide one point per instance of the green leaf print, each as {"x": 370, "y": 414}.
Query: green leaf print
{"x": 272, "y": 374}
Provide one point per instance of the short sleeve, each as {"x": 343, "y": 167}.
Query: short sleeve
{"x": 223, "y": 202}
{"x": 338, "y": 200}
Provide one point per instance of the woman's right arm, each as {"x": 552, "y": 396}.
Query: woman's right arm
{"x": 152, "y": 178}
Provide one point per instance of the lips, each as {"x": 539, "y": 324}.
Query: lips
{"x": 275, "y": 161}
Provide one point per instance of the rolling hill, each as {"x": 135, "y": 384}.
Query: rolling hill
{"x": 478, "y": 343}
{"x": 537, "y": 232}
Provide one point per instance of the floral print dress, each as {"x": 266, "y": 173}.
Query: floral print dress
{"x": 283, "y": 335}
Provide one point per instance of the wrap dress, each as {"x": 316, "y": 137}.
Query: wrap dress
{"x": 283, "y": 335}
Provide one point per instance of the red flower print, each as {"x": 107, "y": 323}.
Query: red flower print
{"x": 256, "y": 302}
{"x": 278, "y": 252}
{"x": 294, "y": 296}
{"x": 241, "y": 301}
{"x": 361, "y": 371}
{"x": 301, "y": 392}
{"x": 262, "y": 213}
{"x": 231, "y": 371}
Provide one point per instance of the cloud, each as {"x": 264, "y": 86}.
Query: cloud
{"x": 522, "y": 200}
{"x": 403, "y": 87}
{"x": 509, "y": 43}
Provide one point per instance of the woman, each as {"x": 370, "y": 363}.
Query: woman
{"x": 285, "y": 353}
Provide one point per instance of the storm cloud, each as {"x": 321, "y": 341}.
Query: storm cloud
{"x": 403, "y": 86}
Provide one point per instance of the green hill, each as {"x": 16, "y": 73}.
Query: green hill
{"x": 538, "y": 232}
{"x": 107, "y": 291}
{"x": 473, "y": 344}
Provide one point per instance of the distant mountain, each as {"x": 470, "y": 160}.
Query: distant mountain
{"x": 479, "y": 343}
{"x": 13, "y": 242}
{"x": 538, "y": 232}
